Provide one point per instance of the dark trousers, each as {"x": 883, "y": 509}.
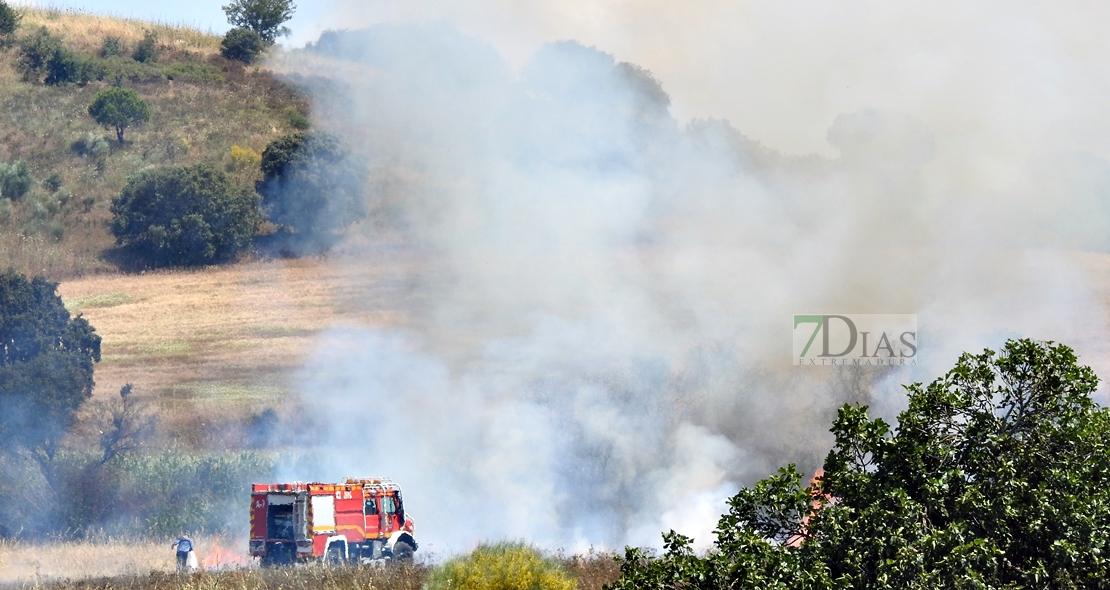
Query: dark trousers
{"x": 182, "y": 559}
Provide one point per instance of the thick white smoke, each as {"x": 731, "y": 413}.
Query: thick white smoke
{"x": 599, "y": 295}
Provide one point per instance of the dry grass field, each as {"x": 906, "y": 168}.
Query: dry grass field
{"x": 117, "y": 564}
{"x": 217, "y": 343}
{"x": 86, "y": 31}
{"x": 29, "y": 563}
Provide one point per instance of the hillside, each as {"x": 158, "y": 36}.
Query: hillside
{"x": 201, "y": 105}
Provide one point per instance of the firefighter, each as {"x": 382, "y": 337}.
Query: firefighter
{"x": 184, "y": 547}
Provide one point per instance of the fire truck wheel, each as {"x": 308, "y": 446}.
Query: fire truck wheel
{"x": 402, "y": 551}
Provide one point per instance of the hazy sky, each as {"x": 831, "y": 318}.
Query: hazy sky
{"x": 781, "y": 71}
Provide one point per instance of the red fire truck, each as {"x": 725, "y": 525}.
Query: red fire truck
{"x": 352, "y": 521}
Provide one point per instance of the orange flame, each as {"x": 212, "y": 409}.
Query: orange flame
{"x": 219, "y": 557}
{"x": 797, "y": 539}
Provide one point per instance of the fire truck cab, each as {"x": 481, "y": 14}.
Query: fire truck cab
{"x": 360, "y": 519}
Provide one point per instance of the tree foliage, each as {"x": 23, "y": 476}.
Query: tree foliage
{"x": 242, "y": 45}
{"x": 311, "y": 188}
{"x": 997, "y": 476}
{"x": 119, "y": 108}
{"x": 147, "y": 50}
{"x": 46, "y": 364}
{"x": 264, "y": 17}
{"x": 43, "y": 58}
{"x": 184, "y": 215}
{"x": 9, "y": 19}
{"x": 15, "y": 179}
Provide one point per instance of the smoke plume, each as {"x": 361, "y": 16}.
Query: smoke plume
{"x": 599, "y": 293}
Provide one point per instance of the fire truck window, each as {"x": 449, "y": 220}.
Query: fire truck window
{"x": 371, "y": 507}
{"x": 280, "y": 521}
{"x": 389, "y": 504}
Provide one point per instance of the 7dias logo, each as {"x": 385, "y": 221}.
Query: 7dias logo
{"x": 855, "y": 339}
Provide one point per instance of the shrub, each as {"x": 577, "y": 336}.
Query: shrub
{"x": 187, "y": 215}
{"x": 500, "y": 566}
{"x": 111, "y": 46}
{"x": 42, "y": 56}
{"x": 244, "y": 158}
{"x": 36, "y": 51}
{"x": 92, "y": 146}
{"x": 9, "y": 19}
{"x": 66, "y": 68}
{"x": 15, "y": 180}
{"x": 311, "y": 188}
{"x": 147, "y": 49}
{"x": 194, "y": 72}
{"x": 53, "y": 182}
{"x": 242, "y": 45}
{"x": 296, "y": 118}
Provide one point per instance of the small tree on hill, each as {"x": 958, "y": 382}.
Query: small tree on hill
{"x": 311, "y": 189}
{"x": 119, "y": 108}
{"x": 187, "y": 215}
{"x": 997, "y": 476}
{"x": 242, "y": 45}
{"x": 264, "y": 17}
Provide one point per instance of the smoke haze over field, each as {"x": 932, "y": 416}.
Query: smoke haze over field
{"x": 599, "y": 344}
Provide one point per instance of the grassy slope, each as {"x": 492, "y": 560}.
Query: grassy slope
{"x": 210, "y": 105}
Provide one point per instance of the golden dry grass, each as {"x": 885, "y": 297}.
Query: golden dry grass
{"x": 85, "y": 31}
{"x": 223, "y": 341}
{"x": 28, "y": 563}
{"x": 149, "y": 565}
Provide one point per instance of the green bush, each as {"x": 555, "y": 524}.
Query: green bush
{"x": 147, "y": 49}
{"x": 43, "y": 57}
{"x": 500, "y": 566}
{"x": 184, "y": 216}
{"x": 15, "y": 180}
{"x": 92, "y": 146}
{"x": 242, "y": 45}
{"x": 111, "y": 46}
{"x": 35, "y": 52}
{"x": 53, "y": 182}
{"x": 9, "y": 19}
{"x": 194, "y": 72}
{"x": 311, "y": 189}
{"x": 296, "y": 119}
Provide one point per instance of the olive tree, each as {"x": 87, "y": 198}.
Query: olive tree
{"x": 119, "y": 108}
{"x": 996, "y": 476}
{"x": 184, "y": 216}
